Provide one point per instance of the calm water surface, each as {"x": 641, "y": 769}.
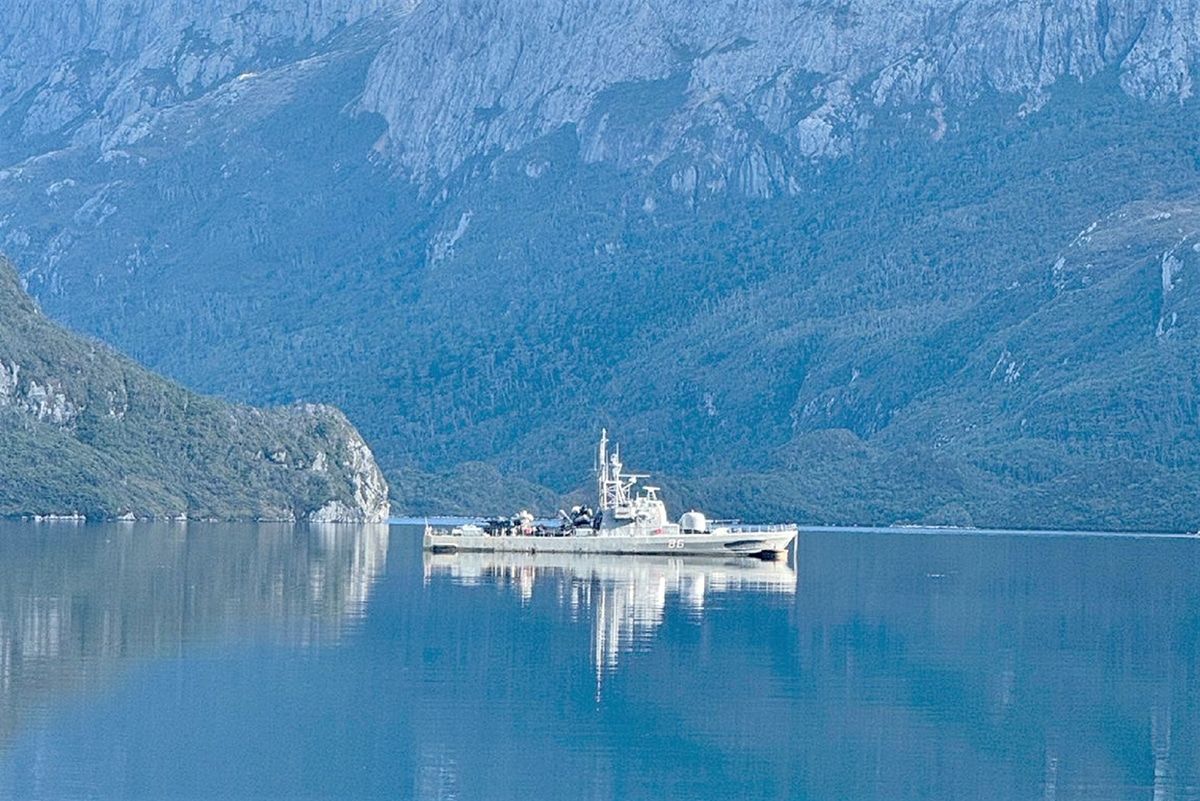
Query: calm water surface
{"x": 247, "y": 662}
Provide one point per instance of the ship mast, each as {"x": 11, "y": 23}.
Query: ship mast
{"x": 608, "y": 485}
{"x": 613, "y": 485}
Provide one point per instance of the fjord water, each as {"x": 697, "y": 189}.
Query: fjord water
{"x": 214, "y": 661}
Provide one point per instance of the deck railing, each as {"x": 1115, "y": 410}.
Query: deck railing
{"x": 762, "y": 529}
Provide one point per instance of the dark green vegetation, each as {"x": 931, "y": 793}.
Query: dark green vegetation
{"x": 87, "y": 431}
{"x": 893, "y": 342}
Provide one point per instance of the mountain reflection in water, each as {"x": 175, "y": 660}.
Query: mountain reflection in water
{"x": 79, "y": 601}
{"x": 888, "y": 665}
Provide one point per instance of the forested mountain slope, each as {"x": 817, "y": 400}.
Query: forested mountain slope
{"x": 88, "y": 432}
{"x": 845, "y": 262}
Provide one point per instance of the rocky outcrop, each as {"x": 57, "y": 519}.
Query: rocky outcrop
{"x": 742, "y": 94}
{"x": 92, "y": 72}
{"x": 43, "y": 401}
{"x": 87, "y": 432}
{"x": 747, "y": 92}
{"x": 369, "y": 498}
{"x": 1161, "y": 238}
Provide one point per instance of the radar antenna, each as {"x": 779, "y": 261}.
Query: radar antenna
{"x": 612, "y": 484}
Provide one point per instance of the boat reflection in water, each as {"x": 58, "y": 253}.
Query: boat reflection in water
{"x": 625, "y": 597}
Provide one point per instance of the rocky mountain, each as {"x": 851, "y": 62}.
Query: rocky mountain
{"x": 744, "y": 92}
{"x": 821, "y": 260}
{"x": 88, "y": 432}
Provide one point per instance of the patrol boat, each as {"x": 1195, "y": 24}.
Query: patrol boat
{"x": 626, "y": 522}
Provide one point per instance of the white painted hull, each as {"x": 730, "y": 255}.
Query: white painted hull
{"x": 761, "y": 541}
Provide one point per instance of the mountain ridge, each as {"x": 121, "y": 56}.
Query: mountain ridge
{"x": 90, "y": 433}
{"x": 800, "y": 259}
{"x": 781, "y": 83}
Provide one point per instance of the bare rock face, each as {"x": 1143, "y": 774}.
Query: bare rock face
{"x": 742, "y": 92}
{"x": 369, "y": 503}
{"x": 44, "y": 401}
{"x": 746, "y": 90}
{"x": 93, "y": 70}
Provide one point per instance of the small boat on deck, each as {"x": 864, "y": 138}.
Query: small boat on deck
{"x": 627, "y": 521}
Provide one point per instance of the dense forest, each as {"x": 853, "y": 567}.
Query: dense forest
{"x": 976, "y": 312}
{"x": 89, "y": 433}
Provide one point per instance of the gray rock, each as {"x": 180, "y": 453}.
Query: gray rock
{"x": 746, "y": 90}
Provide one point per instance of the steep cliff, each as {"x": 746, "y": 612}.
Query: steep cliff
{"x": 88, "y": 432}
{"x": 743, "y": 93}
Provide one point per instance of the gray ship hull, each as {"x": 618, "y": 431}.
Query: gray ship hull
{"x": 768, "y": 542}
{"x": 626, "y": 522}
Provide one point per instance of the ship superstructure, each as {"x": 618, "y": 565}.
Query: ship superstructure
{"x": 630, "y": 519}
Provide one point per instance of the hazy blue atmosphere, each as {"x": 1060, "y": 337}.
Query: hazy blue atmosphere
{"x": 916, "y": 276}
{"x": 858, "y": 262}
